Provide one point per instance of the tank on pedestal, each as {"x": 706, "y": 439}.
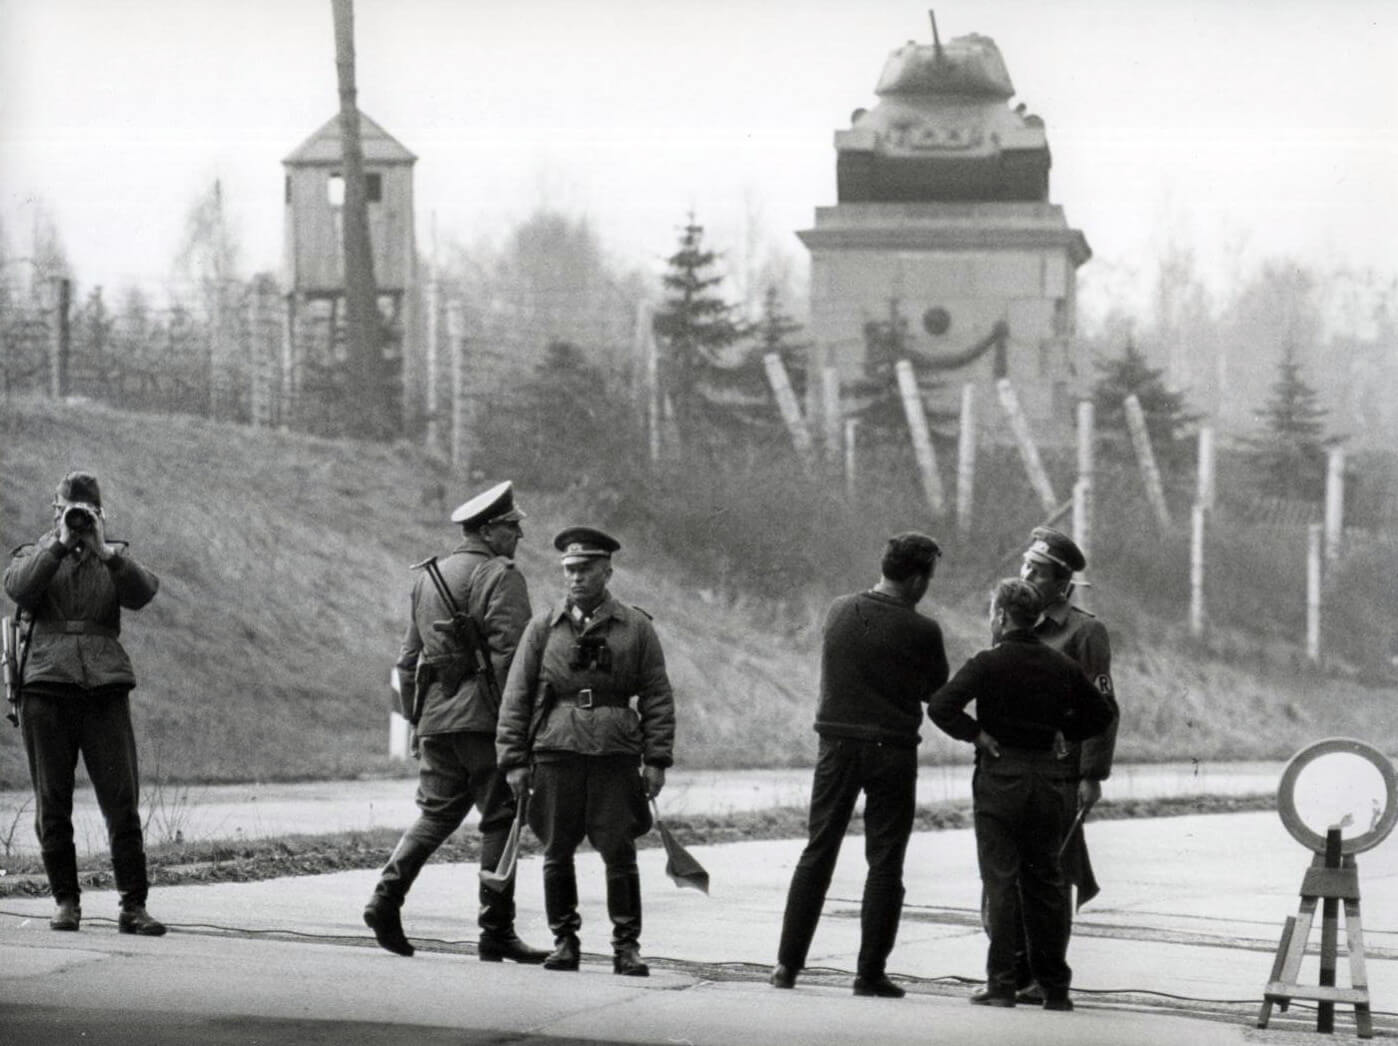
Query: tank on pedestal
{"x": 943, "y": 130}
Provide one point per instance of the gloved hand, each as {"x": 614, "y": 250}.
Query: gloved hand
{"x": 518, "y": 778}
{"x": 654, "y": 777}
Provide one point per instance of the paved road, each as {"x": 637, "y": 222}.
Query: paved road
{"x": 258, "y": 810}
{"x": 1176, "y": 950}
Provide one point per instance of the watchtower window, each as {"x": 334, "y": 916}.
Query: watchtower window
{"x": 335, "y": 188}
{"x": 288, "y": 188}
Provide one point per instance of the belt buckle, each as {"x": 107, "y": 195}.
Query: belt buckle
{"x": 584, "y": 699}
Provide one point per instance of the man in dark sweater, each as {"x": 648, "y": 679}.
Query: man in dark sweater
{"x": 880, "y": 661}
{"x": 1023, "y": 794}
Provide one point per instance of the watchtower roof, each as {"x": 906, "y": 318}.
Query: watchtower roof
{"x": 323, "y": 147}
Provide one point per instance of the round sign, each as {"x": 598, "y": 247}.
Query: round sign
{"x": 1339, "y": 783}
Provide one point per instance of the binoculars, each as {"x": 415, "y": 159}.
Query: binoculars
{"x": 591, "y": 652}
{"x": 79, "y": 517}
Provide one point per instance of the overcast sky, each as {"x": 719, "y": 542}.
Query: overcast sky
{"x": 1244, "y": 129}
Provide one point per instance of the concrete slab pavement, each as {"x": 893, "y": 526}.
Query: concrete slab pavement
{"x": 1186, "y": 927}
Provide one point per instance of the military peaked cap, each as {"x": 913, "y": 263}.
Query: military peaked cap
{"x": 496, "y": 505}
{"x": 578, "y": 543}
{"x": 81, "y": 488}
{"x": 1053, "y": 546}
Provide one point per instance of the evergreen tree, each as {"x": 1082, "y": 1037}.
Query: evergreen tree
{"x": 1165, "y": 412}
{"x": 695, "y": 326}
{"x": 742, "y": 391}
{"x": 1289, "y": 456}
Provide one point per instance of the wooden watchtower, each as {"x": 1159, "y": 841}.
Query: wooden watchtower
{"x": 313, "y": 250}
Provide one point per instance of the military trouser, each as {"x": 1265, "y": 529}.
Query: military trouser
{"x": 887, "y": 775}
{"x": 456, "y": 771}
{"x": 595, "y": 798}
{"x": 1022, "y": 807}
{"x": 56, "y": 729}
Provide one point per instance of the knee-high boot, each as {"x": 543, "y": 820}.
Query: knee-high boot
{"x": 561, "y": 907}
{"x": 498, "y": 939}
{"x": 624, "y": 908}
{"x": 383, "y": 912}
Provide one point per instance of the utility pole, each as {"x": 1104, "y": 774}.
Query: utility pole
{"x": 367, "y": 404}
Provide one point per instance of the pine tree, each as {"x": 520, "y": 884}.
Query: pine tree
{"x": 742, "y": 392}
{"x": 1289, "y": 456}
{"x": 1165, "y": 411}
{"x": 695, "y": 326}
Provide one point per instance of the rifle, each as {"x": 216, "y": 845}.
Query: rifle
{"x": 14, "y": 652}
{"x": 468, "y": 634}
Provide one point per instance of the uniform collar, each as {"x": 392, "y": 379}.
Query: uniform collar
{"x": 605, "y": 609}
{"x": 473, "y": 543}
{"x": 1056, "y": 612}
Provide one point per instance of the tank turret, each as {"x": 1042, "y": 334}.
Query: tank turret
{"x": 943, "y": 130}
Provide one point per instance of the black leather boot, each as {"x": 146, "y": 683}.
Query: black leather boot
{"x": 561, "y": 906}
{"x": 382, "y": 916}
{"x": 624, "y": 908}
{"x": 498, "y": 939}
{"x": 383, "y": 913}
{"x": 133, "y": 918}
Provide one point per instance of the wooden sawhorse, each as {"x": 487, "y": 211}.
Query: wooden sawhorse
{"x": 1331, "y": 878}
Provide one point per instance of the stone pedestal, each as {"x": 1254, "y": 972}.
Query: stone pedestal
{"x": 955, "y": 270}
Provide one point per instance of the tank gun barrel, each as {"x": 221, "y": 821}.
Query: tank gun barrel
{"x": 936, "y": 37}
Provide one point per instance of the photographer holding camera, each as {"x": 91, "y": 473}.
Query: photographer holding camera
{"x": 75, "y": 694}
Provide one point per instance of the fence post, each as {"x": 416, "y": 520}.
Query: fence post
{"x": 922, "y": 439}
{"x": 260, "y": 355}
{"x": 1150, "y": 472}
{"x": 460, "y": 457}
{"x": 851, "y": 459}
{"x": 1315, "y": 536}
{"x": 830, "y": 410}
{"x": 1334, "y": 502}
{"x": 60, "y": 343}
{"x": 432, "y": 429}
{"x": 1028, "y": 450}
{"x": 1084, "y": 501}
{"x": 1204, "y": 494}
{"x": 790, "y": 410}
{"x": 966, "y": 461}
{"x": 1198, "y": 520}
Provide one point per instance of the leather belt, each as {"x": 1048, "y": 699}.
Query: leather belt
{"x": 589, "y": 698}
{"x": 46, "y": 627}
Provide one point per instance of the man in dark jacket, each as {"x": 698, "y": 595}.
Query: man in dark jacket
{"x": 72, "y": 585}
{"x": 587, "y": 701}
{"x": 880, "y": 661}
{"x": 1023, "y": 794}
{"x": 453, "y": 710}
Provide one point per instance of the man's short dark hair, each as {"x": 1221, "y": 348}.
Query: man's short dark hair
{"x": 1020, "y": 600}
{"x": 907, "y": 554}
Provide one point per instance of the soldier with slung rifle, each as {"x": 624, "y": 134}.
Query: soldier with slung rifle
{"x": 468, "y": 611}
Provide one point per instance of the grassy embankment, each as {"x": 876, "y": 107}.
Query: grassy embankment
{"x": 284, "y": 562}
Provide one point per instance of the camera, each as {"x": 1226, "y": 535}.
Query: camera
{"x": 80, "y": 517}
